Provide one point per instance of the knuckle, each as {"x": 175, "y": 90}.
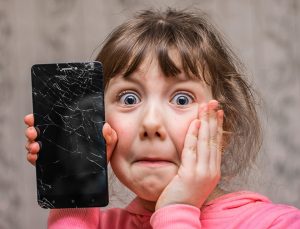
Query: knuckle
{"x": 190, "y": 139}
{"x": 202, "y": 173}
{"x": 204, "y": 138}
{"x": 190, "y": 148}
{"x": 213, "y": 141}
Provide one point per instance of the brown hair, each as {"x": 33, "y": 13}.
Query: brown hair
{"x": 204, "y": 54}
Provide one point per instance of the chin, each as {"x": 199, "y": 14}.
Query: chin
{"x": 150, "y": 191}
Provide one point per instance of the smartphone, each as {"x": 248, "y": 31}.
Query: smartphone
{"x": 68, "y": 109}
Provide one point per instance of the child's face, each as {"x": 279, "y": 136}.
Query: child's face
{"x": 151, "y": 115}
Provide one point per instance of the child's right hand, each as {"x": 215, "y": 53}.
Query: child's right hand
{"x": 33, "y": 147}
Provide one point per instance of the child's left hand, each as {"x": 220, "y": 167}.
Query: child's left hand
{"x": 200, "y": 169}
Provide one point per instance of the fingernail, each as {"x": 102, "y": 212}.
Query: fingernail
{"x": 109, "y": 128}
{"x": 220, "y": 114}
{"x": 213, "y": 104}
{"x": 108, "y": 140}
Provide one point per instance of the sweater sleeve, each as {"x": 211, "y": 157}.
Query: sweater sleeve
{"x": 77, "y": 218}
{"x": 176, "y": 216}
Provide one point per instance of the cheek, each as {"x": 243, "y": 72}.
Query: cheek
{"x": 125, "y": 129}
{"x": 178, "y": 134}
{"x": 116, "y": 120}
{"x": 179, "y": 125}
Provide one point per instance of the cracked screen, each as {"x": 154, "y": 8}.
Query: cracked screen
{"x": 68, "y": 107}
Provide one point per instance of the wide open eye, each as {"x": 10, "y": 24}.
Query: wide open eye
{"x": 182, "y": 99}
{"x": 128, "y": 98}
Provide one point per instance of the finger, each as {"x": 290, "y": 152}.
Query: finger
{"x": 29, "y": 120}
{"x": 220, "y": 118}
{"x": 213, "y": 128}
{"x": 189, "y": 154}
{"x": 33, "y": 147}
{"x": 111, "y": 139}
{"x": 107, "y": 131}
{"x": 203, "y": 137}
{"x": 31, "y": 133}
{"x": 32, "y": 158}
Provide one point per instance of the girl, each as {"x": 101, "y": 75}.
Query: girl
{"x": 175, "y": 102}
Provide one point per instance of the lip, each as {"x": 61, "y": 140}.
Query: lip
{"x": 153, "y": 162}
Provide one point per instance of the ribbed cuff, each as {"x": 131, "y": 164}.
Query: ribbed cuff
{"x": 176, "y": 216}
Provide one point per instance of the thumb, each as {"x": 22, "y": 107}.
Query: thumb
{"x": 111, "y": 139}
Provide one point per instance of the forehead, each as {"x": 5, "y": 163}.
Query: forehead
{"x": 153, "y": 61}
{"x": 150, "y": 75}
{"x": 151, "y": 64}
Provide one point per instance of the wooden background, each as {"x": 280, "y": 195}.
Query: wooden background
{"x": 265, "y": 33}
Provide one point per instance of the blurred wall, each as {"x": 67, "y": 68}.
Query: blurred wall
{"x": 264, "y": 33}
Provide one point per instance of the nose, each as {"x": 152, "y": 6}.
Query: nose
{"x": 152, "y": 124}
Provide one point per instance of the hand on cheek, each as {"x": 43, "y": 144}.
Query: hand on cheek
{"x": 200, "y": 169}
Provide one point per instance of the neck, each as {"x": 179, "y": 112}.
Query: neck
{"x": 150, "y": 205}
{"x": 215, "y": 194}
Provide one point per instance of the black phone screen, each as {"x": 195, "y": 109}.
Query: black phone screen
{"x": 68, "y": 108}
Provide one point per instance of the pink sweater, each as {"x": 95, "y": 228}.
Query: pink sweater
{"x": 235, "y": 210}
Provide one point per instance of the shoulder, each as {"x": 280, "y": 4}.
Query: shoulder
{"x": 249, "y": 208}
{"x": 280, "y": 215}
{"x": 261, "y": 205}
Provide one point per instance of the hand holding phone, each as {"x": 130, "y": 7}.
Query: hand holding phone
{"x": 33, "y": 147}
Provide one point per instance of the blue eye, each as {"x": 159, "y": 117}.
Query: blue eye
{"x": 182, "y": 99}
{"x": 129, "y": 98}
